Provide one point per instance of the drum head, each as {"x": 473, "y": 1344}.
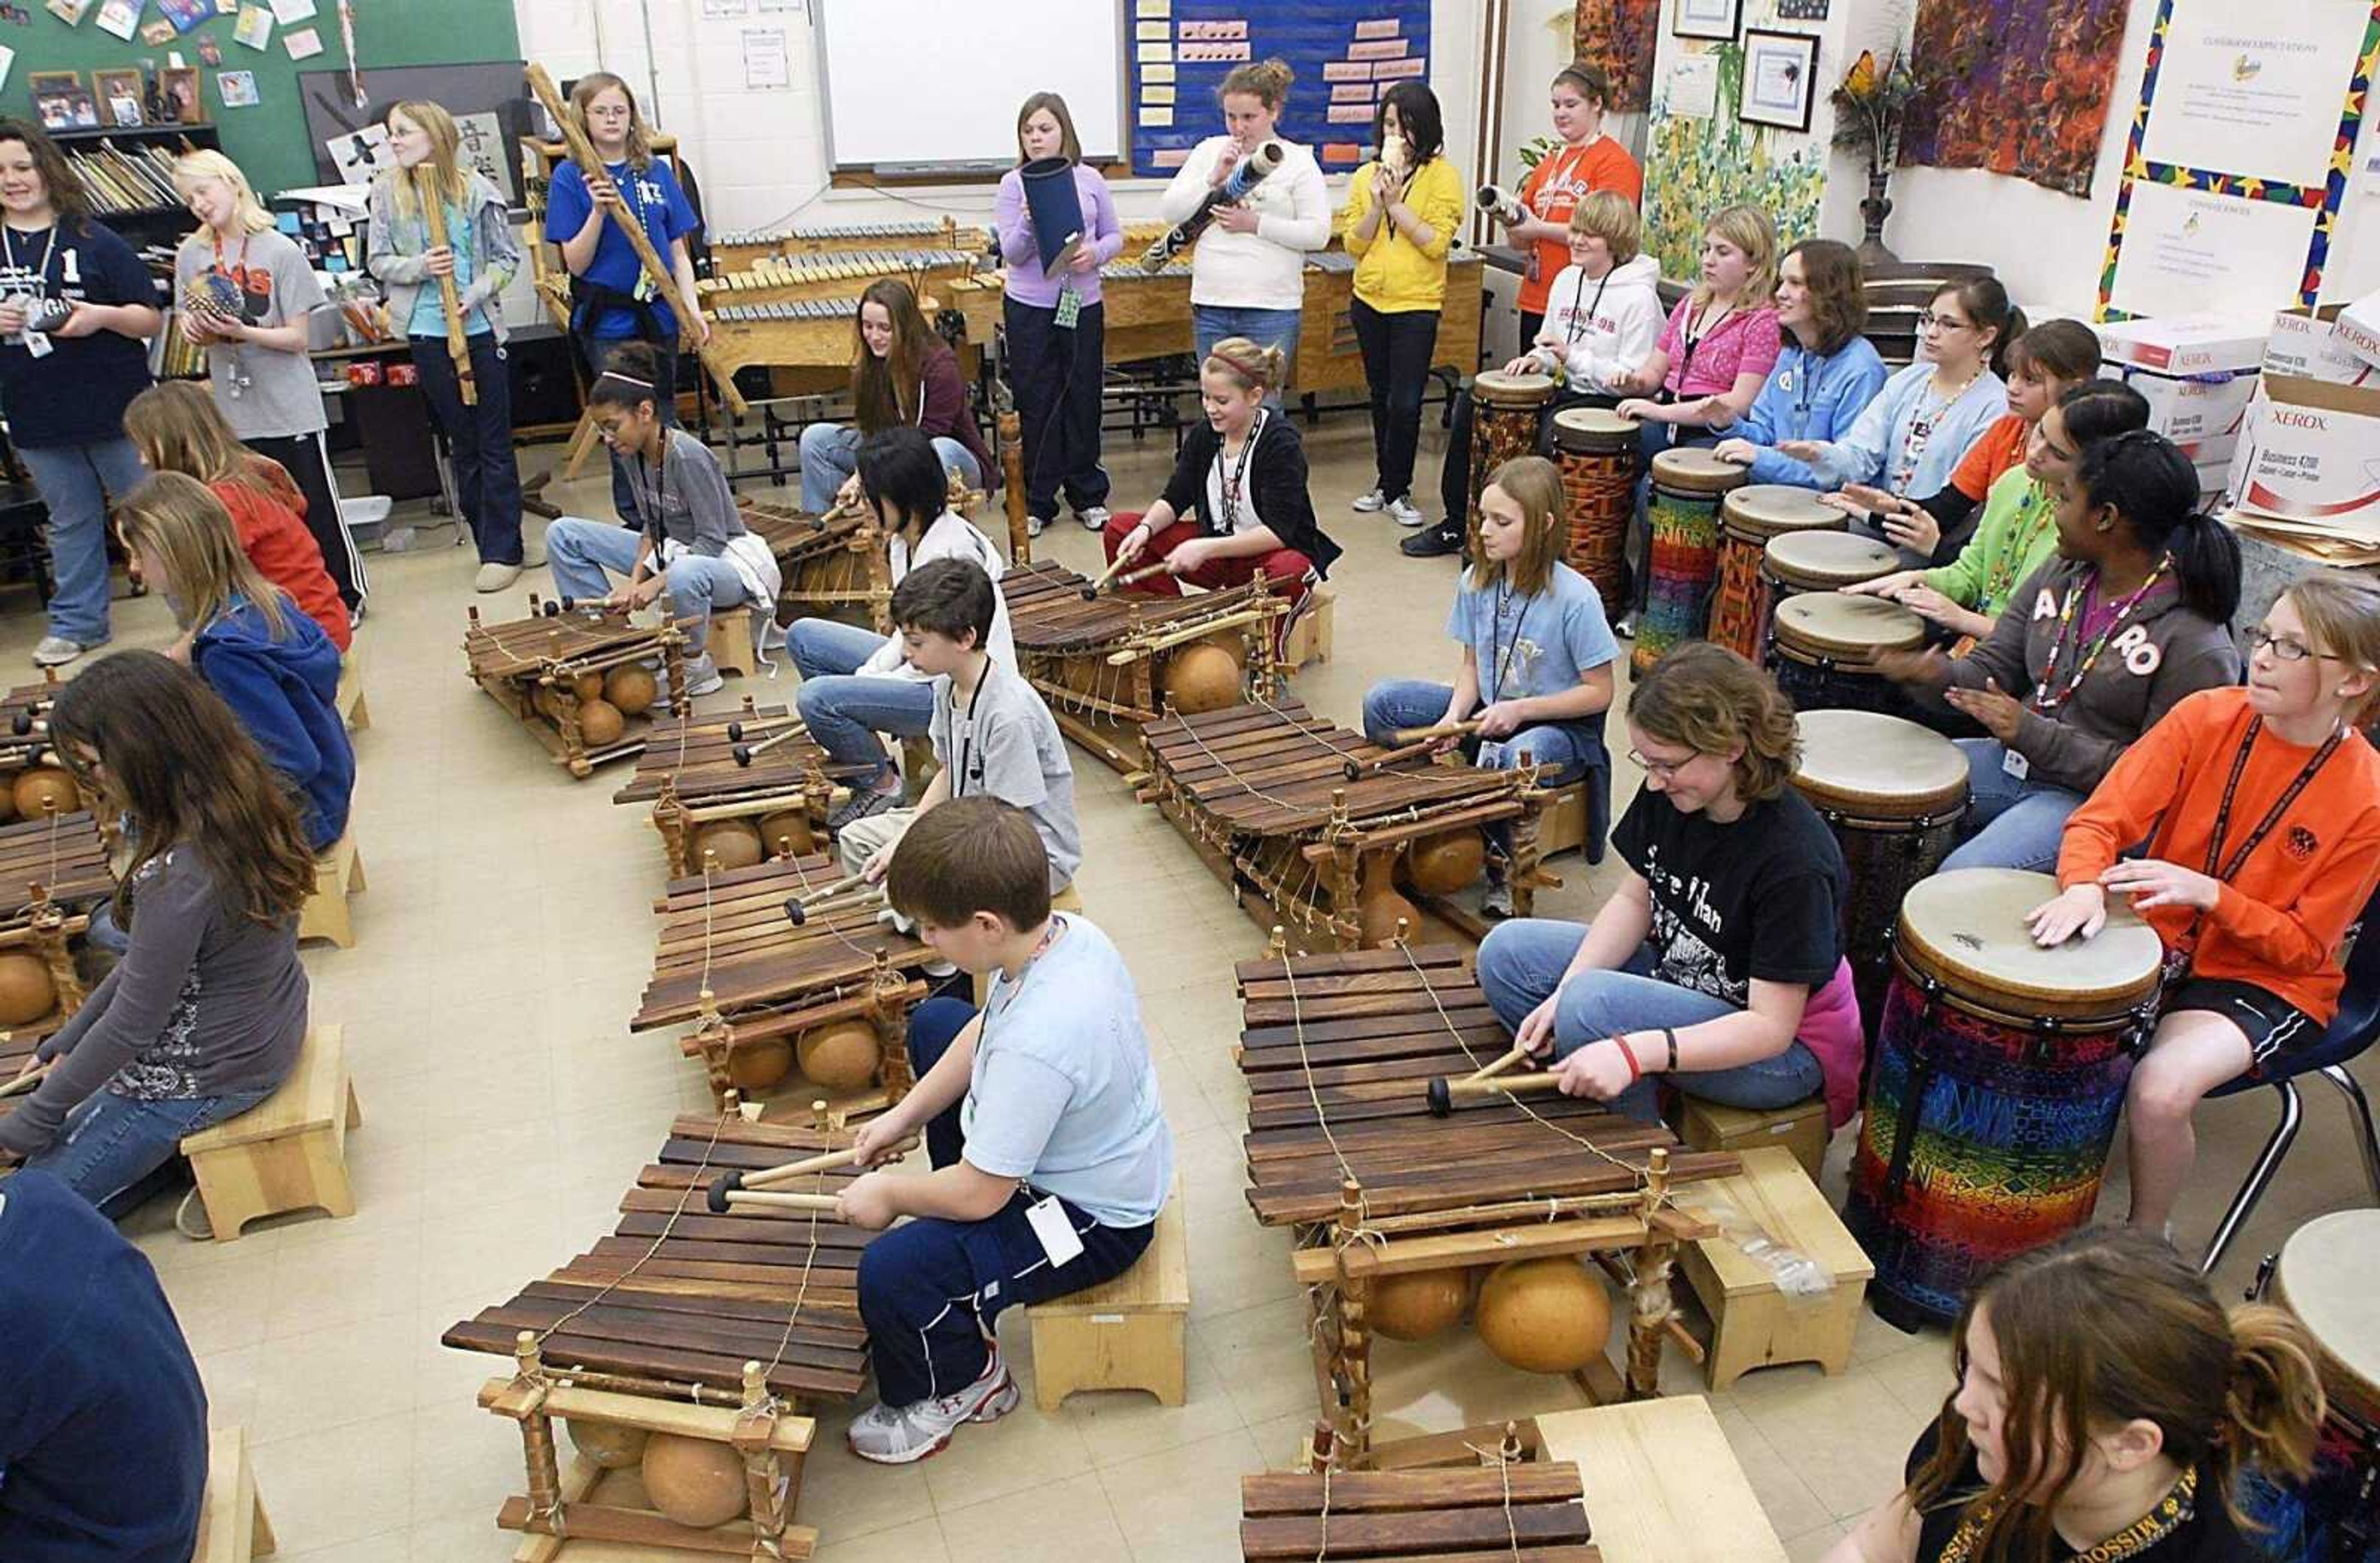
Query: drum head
{"x": 1511, "y": 390}
{"x": 1696, "y": 471}
{"x": 2328, "y": 1275}
{"x": 1593, "y": 429}
{"x": 1822, "y": 561}
{"x": 1966, "y": 928}
{"x": 1876, "y": 767}
{"x": 1847, "y": 628}
{"x": 1767, "y": 510}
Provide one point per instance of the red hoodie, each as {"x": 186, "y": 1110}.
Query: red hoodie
{"x": 285, "y": 554}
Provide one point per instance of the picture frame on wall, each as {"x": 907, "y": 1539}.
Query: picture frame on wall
{"x": 1780, "y": 79}
{"x": 119, "y": 96}
{"x": 1720, "y": 19}
{"x": 183, "y": 100}
{"x": 52, "y": 94}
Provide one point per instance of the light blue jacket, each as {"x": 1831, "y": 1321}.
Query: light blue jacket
{"x": 1871, "y": 453}
{"x": 1807, "y": 397}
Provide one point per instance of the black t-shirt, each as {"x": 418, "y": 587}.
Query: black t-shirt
{"x": 1758, "y": 897}
{"x": 2207, "y": 1536}
{"x": 76, "y": 393}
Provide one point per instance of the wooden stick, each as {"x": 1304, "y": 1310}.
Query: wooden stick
{"x": 458, "y": 344}
{"x": 725, "y": 1187}
{"x": 744, "y": 752}
{"x": 798, "y": 907}
{"x": 1447, "y": 1092}
{"x": 1489, "y": 1071}
{"x": 1106, "y": 576}
{"x": 1442, "y": 729}
{"x": 827, "y": 1203}
{"x": 28, "y": 1080}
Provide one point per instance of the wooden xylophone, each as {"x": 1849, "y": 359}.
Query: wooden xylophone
{"x": 30, "y": 777}
{"x": 1265, "y": 792}
{"x": 791, "y": 278}
{"x": 1398, "y": 1203}
{"x": 581, "y": 680}
{"x": 747, "y": 247}
{"x": 53, "y": 871}
{"x": 692, "y": 1346}
{"x": 1109, "y": 666}
{"x": 826, "y": 1000}
{"x": 705, "y": 803}
{"x": 806, "y": 343}
{"x": 834, "y": 565}
{"x": 1500, "y": 1509}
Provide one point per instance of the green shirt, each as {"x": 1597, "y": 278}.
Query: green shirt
{"x": 2018, "y": 531}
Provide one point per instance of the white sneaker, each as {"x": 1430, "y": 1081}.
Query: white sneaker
{"x": 703, "y": 677}
{"x": 495, "y": 578}
{"x": 1093, "y": 517}
{"x": 1495, "y": 900}
{"x": 902, "y": 1435}
{"x": 1402, "y": 512}
{"x": 56, "y": 651}
{"x": 1369, "y": 503}
{"x": 1033, "y": 526}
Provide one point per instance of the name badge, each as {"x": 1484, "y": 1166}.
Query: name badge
{"x": 1059, "y": 1239}
{"x": 1070, "y": 308}
{"x": 2015, "y": 764}
{"x": 37, "y": 343}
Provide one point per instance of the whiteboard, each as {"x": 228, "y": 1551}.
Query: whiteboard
{"x": 927, "y": 81}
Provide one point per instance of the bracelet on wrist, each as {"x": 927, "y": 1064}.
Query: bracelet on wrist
{"x": 1670, "y": 1036}
{"x": 1635, "y": 1069}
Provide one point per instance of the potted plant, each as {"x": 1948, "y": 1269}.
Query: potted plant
{"x": 1871, "y": 105}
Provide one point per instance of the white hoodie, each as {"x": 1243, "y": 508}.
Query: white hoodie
{"x": 1265, "y": 270}
{"x": 1601, "y": 330}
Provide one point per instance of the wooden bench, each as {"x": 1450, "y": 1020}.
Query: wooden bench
{"x": 232, "y": 1526}
{"x": 1309, "y": 635}
{"x": 1123, "y": 1333}
{"x": 1753, "y": 1323}
{"x": 1661, "y": 1483}
{"x": 289, "y": 1152}
{"x": 1801, "y": 1129}
{"x": 349, "y": 700}
{"x": 338, "y": 874}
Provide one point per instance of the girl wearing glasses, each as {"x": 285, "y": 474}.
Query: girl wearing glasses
{"x": 2261, "y": 808}
{"x": 1718, "y": 961}
{"x": 2096, "y": 646}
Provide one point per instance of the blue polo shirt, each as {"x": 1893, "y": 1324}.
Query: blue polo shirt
{"x": 658, "y": 203}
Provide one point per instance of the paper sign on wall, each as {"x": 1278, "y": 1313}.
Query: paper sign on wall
{"x": 2190, "y": 251}
{"x": 765, "y": 63}
{"x": 2257, "y": 100}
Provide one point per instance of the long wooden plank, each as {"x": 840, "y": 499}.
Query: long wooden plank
{"x": 1374, "y": 1492}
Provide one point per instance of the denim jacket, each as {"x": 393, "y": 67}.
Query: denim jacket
{"x": 1807, "y": 397}
{"x": 397, "y": 243}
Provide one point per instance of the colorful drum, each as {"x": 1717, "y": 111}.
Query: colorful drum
{"x": 1596, "y": 449}
{"x": 1892, "y": 793}
{"x": 2327, "y": 1274}
{"x": 1998, "y": 1073}
{"x": 1822, "y": 647}
{"x": 1749, "y": 518}
{"x": 1504, "y": 413}
{"x": 1688, "y": 484}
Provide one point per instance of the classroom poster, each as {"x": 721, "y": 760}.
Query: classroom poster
{"x": 2196, "y": 253}
{"x": 2255, "y": 96}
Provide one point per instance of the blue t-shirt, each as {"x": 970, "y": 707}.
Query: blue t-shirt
{"x": 430, "y": 304}
{"x": 1064, "y": 1094}
{"x": 1528, "y": 647}
{"x": 654, "y": 199}
{"x": 76, "y": 393}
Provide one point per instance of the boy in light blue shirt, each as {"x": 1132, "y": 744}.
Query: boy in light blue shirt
{"x": 1051, "y": 1152}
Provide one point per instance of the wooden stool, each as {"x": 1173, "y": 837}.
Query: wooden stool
{"x": 349, "y": 700}
{"x": 1562, "y": 826}
{"x": 1064, "y": 901}
{"x": 338, "y": 874}
{"x": 289, "y": 1151}
{"x": 730, "y": 644}
{"x": 1801, "y": 1129}
{"x": 1123, "y": 1333}
{"x": 1662, "y": 1483}
{"x": 1309, "y": 635}
{"x": 232, "y": 1526}
{"x": 1753, "y": 1324}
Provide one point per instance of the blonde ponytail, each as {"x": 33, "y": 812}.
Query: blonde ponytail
{"x": 2272, "y": 1406}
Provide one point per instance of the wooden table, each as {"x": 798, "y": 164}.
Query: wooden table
{"x": 1662, "y": 1485}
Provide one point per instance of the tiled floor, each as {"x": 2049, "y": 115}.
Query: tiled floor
{"x": 504, "y": 939}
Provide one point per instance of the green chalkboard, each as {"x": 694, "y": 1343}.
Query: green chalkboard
{"x": 269, "y": 141}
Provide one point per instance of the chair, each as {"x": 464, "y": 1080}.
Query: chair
{"x": 2355, "y": 1028}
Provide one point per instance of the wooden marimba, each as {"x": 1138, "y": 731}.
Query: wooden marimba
{"x": 830, "y": 274}
{"x": 1499, "y": 1508}
{"x": 824, "y": 1001}
{"x": 30, "y": 777}
{"x": 741, "y": 247}
{"x": 1325, "y": 831}
{"x": 834, "y": 566}
{"x": 54, "y": 872}
{"x": 581, "y": 679}
{"x": 736, "y": 788}
{"x": 1398, "y": 1201}
{"x": 1111, "y": 665}
{"x": 690, "y": 1346}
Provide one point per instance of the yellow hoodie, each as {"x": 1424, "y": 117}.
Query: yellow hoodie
{"x": 1392, "y": 274}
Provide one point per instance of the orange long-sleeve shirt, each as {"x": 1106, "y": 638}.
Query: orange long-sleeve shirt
{"x": 2280, "y": 921}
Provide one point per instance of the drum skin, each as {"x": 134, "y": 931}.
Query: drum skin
{"x": 1749, "y": 519}
{"x": 1823, "y": 646}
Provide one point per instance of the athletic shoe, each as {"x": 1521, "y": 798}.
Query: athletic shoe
{"x": 1033, "y": 524}
{"x": 495, "y": 578}
{"x": 902, "y": 1435}
{"x": 1404, "y": 512}
{"x": 703, "y": 677}
{"x": 863, "y": 801}
{"x": 191, "y": 1220}
{"x": 56, "y": 651}
{"x": 1434, "y": 543}
{"x": 1094, "y": 517}
{"x": 1368, "y": 504}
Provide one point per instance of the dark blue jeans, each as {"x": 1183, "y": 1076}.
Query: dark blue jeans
{"x": 479, "y": 441}
{"x": 1056, "y": 375}
{"x": 117, "y": 1151}
{"x": 932, "y": 1291}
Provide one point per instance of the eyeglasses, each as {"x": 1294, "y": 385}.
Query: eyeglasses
{"x": 1932, "y": 322}
{"x": 2287, "y": 651}
{"x": 1665, "y": 770}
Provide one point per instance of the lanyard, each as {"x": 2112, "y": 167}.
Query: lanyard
{"x": 1572, "y": 330}
{"x": 2003, "y": 576}
{"x": 656, "y": 475}
{"x": 1234, "y": 479}
{"x": 2232, "y": 866}
{"x": 39, "y": 268}
{"x": 1809, "y": 389}
{"x": 961, "y": 742}
{"x": 1008, "y": 998}
{"x": 1558, "y": 176}
{"x": 1500, "y": 656}
{"x": 2043, "y": 698}
{"x": 239, "y": 267}
{"x": 1695, "y": 339}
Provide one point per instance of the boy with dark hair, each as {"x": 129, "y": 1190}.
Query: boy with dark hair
{"x": 991, "y": 734}
{"x": 1051, "y": 1152}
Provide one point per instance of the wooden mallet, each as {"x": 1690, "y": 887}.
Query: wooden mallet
{"x": 732, "y": 1188}
{"x": 744, "y": 752}
{"x": 1412, "y": 744}
{"x": 1449, "y": 1091}
{"x": 798, "y": 907}
{"x": 1508, "y": 1061}
{"x": 28, "y": 1080}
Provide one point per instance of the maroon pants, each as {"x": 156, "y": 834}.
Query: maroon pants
{"x": 1291, "y": 573}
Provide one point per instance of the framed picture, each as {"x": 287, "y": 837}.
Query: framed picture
{"x": 1781, "y": 72}
{"x": 119, "y": 96}
{"x": 53, "y": 92}
{"x": 180, "y": 86}
{"x": 1706, "y": 18}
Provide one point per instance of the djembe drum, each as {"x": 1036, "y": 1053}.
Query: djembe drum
{"x": 1688, "y": 484}
{"x": 1597, "y": 450}
{"x": 1892, "y": 793}
{"x": 1999, "y": 1069}
{"x": 1820, "y": 560}
{"x": 1749, "y": 518}
{"x": 2327, "y": 1274}
{"x": 1824, "y": 646}
{"x": 1504, "y": 413}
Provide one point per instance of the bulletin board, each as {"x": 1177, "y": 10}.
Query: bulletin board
{"x": 270, "y": 141}
{"x": 1345, "y": 53}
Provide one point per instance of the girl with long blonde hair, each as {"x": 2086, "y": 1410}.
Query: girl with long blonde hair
{"x": 903, "y": 375}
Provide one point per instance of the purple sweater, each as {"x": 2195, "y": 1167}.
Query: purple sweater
{"x": 1027, "y": 282}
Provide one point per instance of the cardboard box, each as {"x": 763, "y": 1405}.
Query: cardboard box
{"x": 2308, "y": 452}
{"x": 2306, "y": 343}
{"x": 2358, "y": 329}
{"x": 2196, "y": 412}
{"x": 2183, "y": 345}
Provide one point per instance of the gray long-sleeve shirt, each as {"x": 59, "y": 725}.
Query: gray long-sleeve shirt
{"x": 685, "y": 498}
{"x": 205, "y": 1002}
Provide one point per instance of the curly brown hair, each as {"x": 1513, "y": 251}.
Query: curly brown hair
{"x": 1712, "y": 701}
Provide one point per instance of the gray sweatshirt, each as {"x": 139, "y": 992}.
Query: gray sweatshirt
{"x": 685, "y": 498}
{"x": 207, "y": 1001}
